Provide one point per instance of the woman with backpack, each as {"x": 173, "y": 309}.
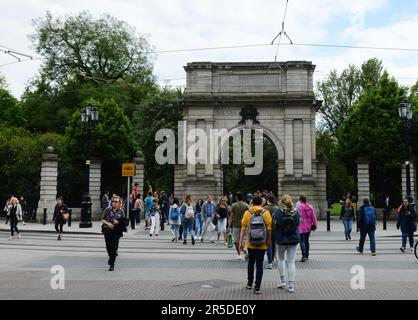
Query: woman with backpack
{"x": 188, "y": 214}
{"x": 308, "y": 223}
{"x": 174, "y": 218}
{"x": 407, "y": 223}
{"x": 286, "y": 235}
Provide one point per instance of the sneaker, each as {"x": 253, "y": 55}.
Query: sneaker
{"x": 303, "y": 259}
{"x": 24, "y": 223}
{"x": 411, "y": 249}
{"x": 18, "y": 236}
{"x": 184, "y": 241}
{"x": 402, "y": 249}
{"x": 11, "y": 238}
{"x": 373, "y": 254}
{"x": 225, "y": 243}
{"x": 257, "y": 291}
{"x": 282, "y": 283}
{"x": 358, "y": 250}
{"x": 193, "y": 242}
{"x": 150, "y": 235}
{"x": 249, "y": 286}
{"x": 269, "y": 266}
{"x": 291, "y": 287}
{"x": 156, "y": 235}
{"x": 212, "y": 241}
{"x": 174, "y": 239}
{"x": 111, "y": 268}
{"x": 239, "y": 257}
{"x": 349, "y": 237}
{"x": 59, "y": 238}
{"x": 201, "y": 239}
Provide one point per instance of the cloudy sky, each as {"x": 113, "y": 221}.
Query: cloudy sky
{"x": 188, "y": 24}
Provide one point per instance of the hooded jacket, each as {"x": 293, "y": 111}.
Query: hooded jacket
{"x": 307, "y": 218}
{"x": 245, "y": 222}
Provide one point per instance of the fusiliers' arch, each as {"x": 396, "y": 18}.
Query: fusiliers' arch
{"x": 277, "y": 97}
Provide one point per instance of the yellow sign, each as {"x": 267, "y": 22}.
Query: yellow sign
{"x": 128, "y": 169}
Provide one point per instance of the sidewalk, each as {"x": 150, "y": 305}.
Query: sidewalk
{"x": 50, "y": 228}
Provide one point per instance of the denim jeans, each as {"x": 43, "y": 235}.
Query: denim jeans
{"x": 291, "y": 267}
{"x": 187, "y": 228}
{"x": 348, "y": 226}
{"x": 175, "y": 230}
{"x": 255, "y": 256}
{"x": 304, "y": 244}
{"x": 271, "y": 250}
{"x": 405, "y": 237}
{"x": 363, "y": 233}
{"x": 199, "y": 225}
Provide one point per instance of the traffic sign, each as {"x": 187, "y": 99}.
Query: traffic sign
{"x": 128, "y": 169}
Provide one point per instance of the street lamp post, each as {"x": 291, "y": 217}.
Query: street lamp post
{"x": 405, "y": 113}
{"x": 89, "y": 118}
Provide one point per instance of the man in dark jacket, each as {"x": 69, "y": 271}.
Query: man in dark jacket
{"x": 407, "y": 223}
{"x": 367, "y": 225}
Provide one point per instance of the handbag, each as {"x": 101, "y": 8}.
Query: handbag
{"x": 65, "y": 216}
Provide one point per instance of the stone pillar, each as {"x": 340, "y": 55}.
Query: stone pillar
{"x": 289, "y": 147}
{"x": 209, "y": 165}
{"x": 48, "y": 185}
{"x": 307, "y": 148}
{"x": 412, "y": 178}
{"x": 139, "y": 173}
{"x": 363, "y": 180}
{"x": 191, "y": 169}
{"x": 95, "y": 188}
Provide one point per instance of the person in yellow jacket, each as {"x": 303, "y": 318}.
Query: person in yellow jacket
{"x": 258, "y": 245}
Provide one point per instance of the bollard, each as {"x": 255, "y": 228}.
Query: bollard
{"x": 70, "y": 212}
{"x": 328, "y": 221}
{"x": 44, "y": 220}
{"x": 384, "y": 219}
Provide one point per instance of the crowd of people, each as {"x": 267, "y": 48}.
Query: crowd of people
{"x": 257, "y": 222}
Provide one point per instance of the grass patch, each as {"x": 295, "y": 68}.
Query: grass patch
{"x": 335, "y": 209}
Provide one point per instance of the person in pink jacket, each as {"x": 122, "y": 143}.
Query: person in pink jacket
{"x": 308, "y": 223}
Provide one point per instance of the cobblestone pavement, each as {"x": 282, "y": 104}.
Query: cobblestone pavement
{"x": 156, "y": 268}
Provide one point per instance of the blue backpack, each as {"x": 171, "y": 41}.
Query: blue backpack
{"x": 369, "y": 216}
{"x": 174, "y": 214}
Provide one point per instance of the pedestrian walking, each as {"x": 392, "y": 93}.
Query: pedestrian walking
{"x": 188, "y": 213}
{"x": 347, "y": 216}
{"x": 367, "y": 224}
{"x": 208, "y": 215}
{"x": 308, "y": 223}
{"x": 148, "y": 205}
{"x": 14, "y": 215}
{"x": 165, "y": 207}
{"x": 199, "y": 220}
{"x": 286, "y": 235}
{"x": 238, "y": 210}
{"x": 407, "y": 223}
{"x": 137, "y": 209}
{"x": 256, "y": 222}
{"x": 175, "y": 219}
{"x": 105, "y": 200}
{"x": 112, "y": 229}
{"x": 24, "y": 206}
{"x": 271, "y": 251}
{"x": 155, "y": 216}
{"x": 222, "y": 212}
{"x": 60, "y": 211}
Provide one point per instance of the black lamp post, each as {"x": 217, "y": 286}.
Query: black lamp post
{"x": 405, "y": 113}
{"x": 89, "y": 117}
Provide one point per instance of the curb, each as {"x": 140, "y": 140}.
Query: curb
{"x": 54, "y": 232}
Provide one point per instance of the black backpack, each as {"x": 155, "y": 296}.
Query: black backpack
{"x": 288, "y": 225}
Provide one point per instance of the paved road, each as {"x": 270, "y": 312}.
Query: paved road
{"x": 155, "y": 268}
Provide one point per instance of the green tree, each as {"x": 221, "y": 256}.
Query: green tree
{"x": 341, "y": 92}
{"x": 10, "y": 109}
{"x": 161, "y": 110}
{"x": 372, "y": 130}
